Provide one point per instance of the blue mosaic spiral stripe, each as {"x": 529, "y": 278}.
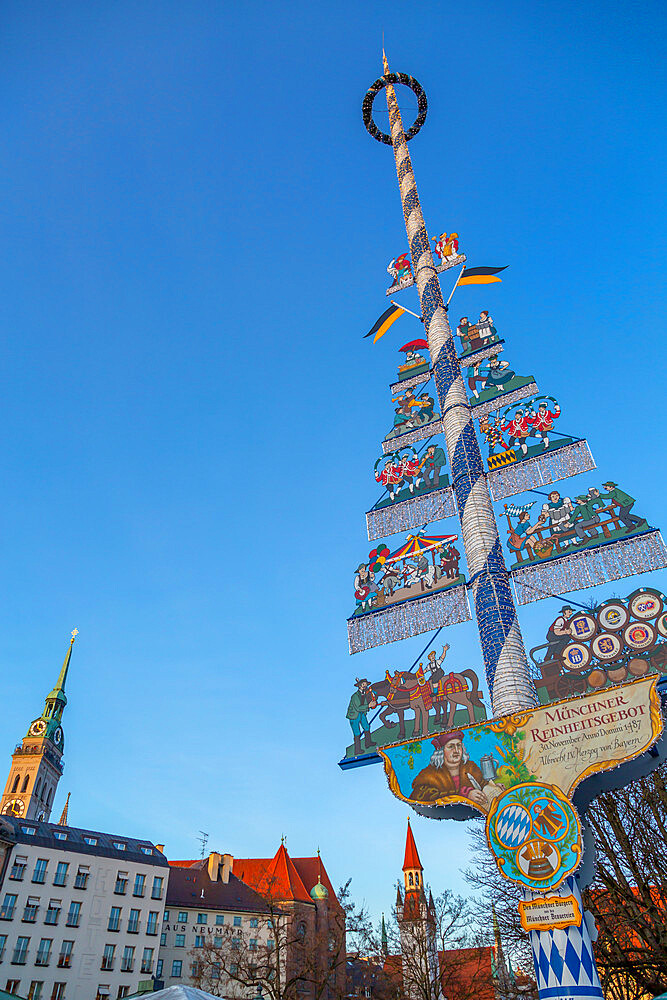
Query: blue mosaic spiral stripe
{"x": 504, "y": 655}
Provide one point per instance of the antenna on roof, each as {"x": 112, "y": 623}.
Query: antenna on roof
{"x": 203, "y": 840}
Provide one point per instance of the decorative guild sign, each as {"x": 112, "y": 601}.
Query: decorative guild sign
{"x": 549, "y": 912}
{"x": 413, "y": 577}
{"x": 416, "y": 491}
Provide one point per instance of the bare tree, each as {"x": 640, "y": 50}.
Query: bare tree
{"x": 296, "y": 951}
{"x": 451, "y": 959}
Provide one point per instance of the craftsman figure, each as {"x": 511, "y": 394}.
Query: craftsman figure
{"x": 518, "y": 430}
{"x": 625, "y": 503}
{"x": 558, "y": 634}
{"x": 361, "y": 701}
{"x": 558, "y": 510}
{"x": 431, "y": 464}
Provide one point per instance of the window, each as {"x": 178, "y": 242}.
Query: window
{"x": 102, "y": 993}
{"x": 146, "y": 850}
{"x": 15, "y": 786}
{"x": 39, "y": 874}
{"x": 58, "y": 991}
{"x": 253, "y": 944}
{"x": 123, "y": 991}
{"x": 166, "y": 916}
{"x": 12, "y": 985}
{"x": 179, "y": 941}
{"x": 139, "y": 885}
{"x": 60, "y": 835}
{"x": 107, "y": 957}
{"x": 92, "y": 841}
{"x": 7, "y": 908}
{"x": 81, "y": 877}
{"x": 199, "y": 940}
{"x": 254, "y": 922}
{"x": 127, "y": 961}
{"x": 114, "y": 919}
{"x": 163, "y": 940}
{"x": 158, "y": 968}
{"x": 20, "y": 951}
{"x": 65, "y": 956}
{"x": 219, "y": 918}
{"x": 74, "y": 914}
{"x": 118, "y": 845}
{"x": 133, "y": 922}
{"x": 202, "y": 918}
{"x": 156, "y": 891}
{"x": 234, "y": 969}
{"x": 60, "y": 878}
{"x": 182, "y": 917}
{"x": 176, "y": 968}
{"x": 3, "y": 945}
{"x": 194, "y": 969}
{"x": 215, "y": 970}
{"x": 18, "y": 868}
{"x": 151, "y": 923}
{"x": 301, "y": 931}
{"x": 28, "y": 830}
{"x": 44, "y": 951}
{"x": 236, "y": 943}
{"x": 30, "y": 910}
{"x": 147, "y": 960}
{"x": 121, "y": 883}
{"x": 35, "y": 991}
{"x": 237, "y": 921}
{"x": 270, "y": 944}
{"x": 53, "y": 913}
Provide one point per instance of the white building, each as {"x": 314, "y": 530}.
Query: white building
{"x": 81, "y": 912}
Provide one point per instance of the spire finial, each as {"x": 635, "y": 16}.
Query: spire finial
{"x": 74, "y": 634}
{"x": 385, "y": 64}
{"x": 63, "y": 816}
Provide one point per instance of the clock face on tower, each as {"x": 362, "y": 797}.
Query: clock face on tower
{"x": 37, "y": 728}
{"x": 14, "y": 808}
{"x": 58, "y": 735}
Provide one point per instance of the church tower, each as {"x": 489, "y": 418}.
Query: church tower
{"x": 37, "y": 760}
{"x": 417, "y": 924}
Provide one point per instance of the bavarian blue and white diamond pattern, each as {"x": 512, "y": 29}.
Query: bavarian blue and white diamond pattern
{"x": 513, "y": 826}
{"x": 564, "y": 963}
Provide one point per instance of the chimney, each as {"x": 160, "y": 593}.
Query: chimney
{"x": 214, "y": 862}
{"x": 227, "y": 866}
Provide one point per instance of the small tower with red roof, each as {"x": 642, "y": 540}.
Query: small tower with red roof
{"x": 417, "y": 924}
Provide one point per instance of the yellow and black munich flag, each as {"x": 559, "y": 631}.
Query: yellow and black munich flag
{"x": 383, "y": 323}
{"x": 480, "y": 275}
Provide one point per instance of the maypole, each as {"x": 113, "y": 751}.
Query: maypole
{"x": 602, "y": 664}
{"x": 505, "y": 660}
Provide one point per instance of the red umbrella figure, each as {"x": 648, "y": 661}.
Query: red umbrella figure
{"x": 414, "y": 345}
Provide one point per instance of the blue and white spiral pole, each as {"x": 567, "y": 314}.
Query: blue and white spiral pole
{"x": 564, "y": 961}
{"x": 505, "y": 660}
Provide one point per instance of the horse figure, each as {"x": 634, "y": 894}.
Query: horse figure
{"x": 401, "y": 691}
{"x": 452, "y": 690}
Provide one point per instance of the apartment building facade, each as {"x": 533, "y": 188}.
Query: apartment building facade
{"x": 81, "y": 912}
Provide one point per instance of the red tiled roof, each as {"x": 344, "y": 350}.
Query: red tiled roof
{"x": 276, "y": 876}
{"x": 465, "y": 973}
{"x": 289, "y": 878}
{"x": 411, "y": 855}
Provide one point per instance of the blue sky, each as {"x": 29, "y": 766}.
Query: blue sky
{"x": 194, "y": 233}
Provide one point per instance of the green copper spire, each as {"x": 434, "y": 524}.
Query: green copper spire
{"x": 47, "y": 726}
{"x": 385, "y": 943}
{"x": 58, "y": 693}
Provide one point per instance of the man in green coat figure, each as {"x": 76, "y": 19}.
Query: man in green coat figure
{"x": 625, "y": 503}
{"x": 431, "y": 464}
{"x": 362, "y": 699}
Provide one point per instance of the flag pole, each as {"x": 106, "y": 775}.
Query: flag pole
{"x": 416, "y": 315}
{"x": 456, "y": 284}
